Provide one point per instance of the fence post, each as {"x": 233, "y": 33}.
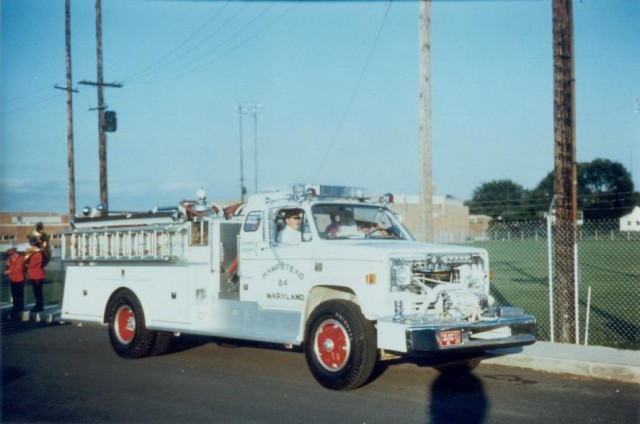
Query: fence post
{"x": 550, "y": 258}
{"x": 586, "y": 324}
{"x": 576, "y": 291}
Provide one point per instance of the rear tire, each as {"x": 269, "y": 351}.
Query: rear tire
{"x": 162, "y": 343}
{"x": 340, "y": 345}
{"x": 129, "y": 337}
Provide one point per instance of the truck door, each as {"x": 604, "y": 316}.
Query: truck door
{"x": 277, "y": 274}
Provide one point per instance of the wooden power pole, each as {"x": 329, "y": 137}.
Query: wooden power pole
{"x": 102, "y": 136}
{"x": 565, "y": 183}
{"x": 70, "y": 152}
{"x": 426, "y": 186}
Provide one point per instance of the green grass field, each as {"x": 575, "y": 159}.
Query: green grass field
{"x": 610, "y": 267}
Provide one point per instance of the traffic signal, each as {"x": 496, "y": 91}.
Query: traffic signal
{"x": 110, "y": 121}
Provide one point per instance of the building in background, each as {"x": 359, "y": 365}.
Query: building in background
{"x": 16, "y": 226}
{"x": 631, "y": 221}
{"x": 450, "y": 217}
{"x": 479, "y": 227}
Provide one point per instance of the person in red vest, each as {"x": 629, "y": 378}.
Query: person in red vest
{"x": 15, "y": 272}
{"x": 35, "y": 270}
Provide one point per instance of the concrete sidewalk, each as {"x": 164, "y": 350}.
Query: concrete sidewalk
{"x": 50, "y": 313}
{"x": 587, "y": 361}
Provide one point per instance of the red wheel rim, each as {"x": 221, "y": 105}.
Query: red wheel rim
{"x": 125, "y": 324}
{"x": 332, "y": 345}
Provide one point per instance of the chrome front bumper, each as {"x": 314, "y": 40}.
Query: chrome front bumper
{"x": 456, "y": 336}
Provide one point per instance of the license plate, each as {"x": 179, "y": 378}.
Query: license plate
{"x": 450, "y": 338}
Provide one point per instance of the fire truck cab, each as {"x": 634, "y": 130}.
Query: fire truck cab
{"x": 320, "y": 267}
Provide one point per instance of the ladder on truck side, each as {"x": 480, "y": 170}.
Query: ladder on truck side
{"x": 143, "y": 243}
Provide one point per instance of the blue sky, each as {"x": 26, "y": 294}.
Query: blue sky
{"x": 338, "y": 88}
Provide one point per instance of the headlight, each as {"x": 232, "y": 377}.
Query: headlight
{"x": 400, "y": 276}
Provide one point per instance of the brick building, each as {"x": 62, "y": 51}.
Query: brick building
{"x": 16, "y": 226}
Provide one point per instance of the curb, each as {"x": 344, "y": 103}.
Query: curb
{"x": 586, "y": 361}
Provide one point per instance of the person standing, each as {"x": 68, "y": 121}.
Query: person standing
{"x": 15, "y": 272}
{"x": 35, "y": 271}
{"x": 40, "y": 238}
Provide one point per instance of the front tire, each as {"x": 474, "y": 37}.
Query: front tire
{"x": 129, "y": 337}
{"x": 340, "y": 345}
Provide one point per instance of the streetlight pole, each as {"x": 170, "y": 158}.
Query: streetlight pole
{"x": 251, "y": 110}
{"x": 242, "y": 188}
{"x": 254, "y": 111}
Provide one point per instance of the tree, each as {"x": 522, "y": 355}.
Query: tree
{"x": 499, "y": 199}
{"x": 539, "y": 199}
{"x": 605, "y": 190}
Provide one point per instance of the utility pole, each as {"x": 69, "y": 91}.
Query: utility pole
{"x": 100, "y": 84}
{"x": 426, "y": 186}
{"x": 69, "y": 90}
{"x": 102, "y": 136}
{"x": 565, "y": 183}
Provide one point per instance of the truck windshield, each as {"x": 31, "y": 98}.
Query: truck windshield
{"x": 353, "y": 221}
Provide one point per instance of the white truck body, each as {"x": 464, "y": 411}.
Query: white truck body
{"x": 194, "y": 270}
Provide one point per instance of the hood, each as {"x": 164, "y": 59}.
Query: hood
{"x": 382, "y": 249}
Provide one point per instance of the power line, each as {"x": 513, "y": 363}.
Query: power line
{"x": 27, "y": 94}
{"x": 31, "y": 105}
{"x": 150, "y": 68}
{"x": 172, "y": 72}
{"x": 353, "y": 93}
{"x": 190, "y": 68}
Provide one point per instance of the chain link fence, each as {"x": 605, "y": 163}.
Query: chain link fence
{"x": 608, "y": 278}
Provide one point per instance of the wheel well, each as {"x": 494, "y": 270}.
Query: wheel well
{"x": 118, "y": 292}
{"x": 320, "y": 294}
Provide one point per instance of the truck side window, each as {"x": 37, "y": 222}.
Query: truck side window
{"x": 289, "y": 224}
{"x": 252, "y": 223}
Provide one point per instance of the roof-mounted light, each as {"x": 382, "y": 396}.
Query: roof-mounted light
{"x": 311, "y": 192}
{"x": 298, "y": 190}
{"x": 341, "y": 192}
{"x": 387, "y": 199}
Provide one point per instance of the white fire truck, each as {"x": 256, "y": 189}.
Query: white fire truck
{"x": 351, "y": 284}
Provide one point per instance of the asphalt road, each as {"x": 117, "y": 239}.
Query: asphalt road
{"x": 65, "y": 373}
